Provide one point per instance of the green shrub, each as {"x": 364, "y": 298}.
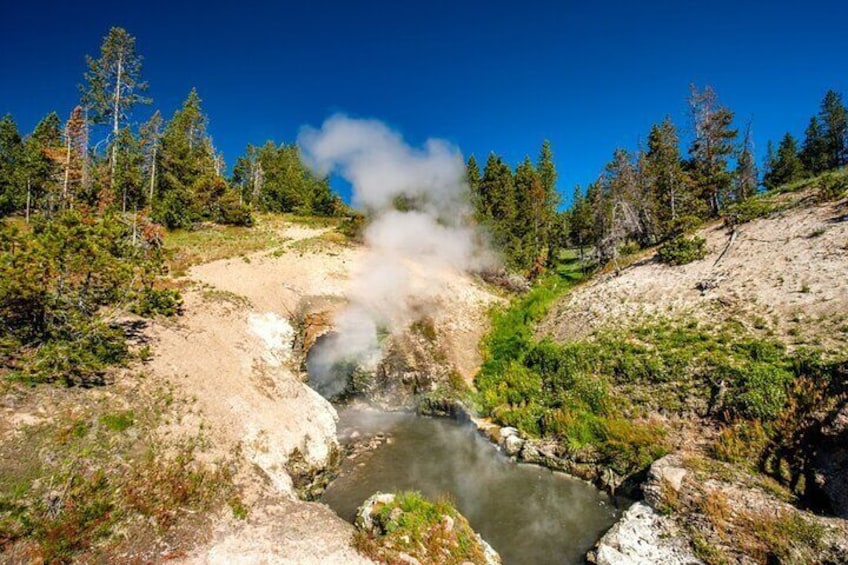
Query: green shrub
{"x": 751, "y": 209}
{"x": 759, "y": 390}
{"x": 153, "y": 301}
{"x": 56, "y": 282}
{"x": 682, "y": 250}
{"x": 232, "y": 212}
{"x": 743, "y": 442}
{"x": 833, "y": 186}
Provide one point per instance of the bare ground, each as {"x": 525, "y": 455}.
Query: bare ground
{"x": 787, "y": 274}
{"x": 231, "y": 350}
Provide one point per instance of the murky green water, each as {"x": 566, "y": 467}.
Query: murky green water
{"x": 527, "y": 513}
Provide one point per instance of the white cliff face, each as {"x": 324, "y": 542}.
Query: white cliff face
{"x": 237, "y": 365}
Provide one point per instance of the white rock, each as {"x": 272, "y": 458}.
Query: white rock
{"x": 644, "y": 537}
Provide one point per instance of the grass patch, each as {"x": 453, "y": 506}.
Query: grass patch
{"x": 74, "y": 487}
{"x": 594, "y": 395}
{"x": 430, "y": 532}
{"x": 186, "y": 248}
{"x": 118, "y": 421}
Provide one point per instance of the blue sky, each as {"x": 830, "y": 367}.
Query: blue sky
{"x": 487, "y": 76}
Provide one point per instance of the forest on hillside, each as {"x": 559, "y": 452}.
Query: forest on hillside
{"x": 86, "y": 200}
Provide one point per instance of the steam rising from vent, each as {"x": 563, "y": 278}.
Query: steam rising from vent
{"x": 417, "y": 202}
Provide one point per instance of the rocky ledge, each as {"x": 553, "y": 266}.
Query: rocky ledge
{"x": 407, "y": 528}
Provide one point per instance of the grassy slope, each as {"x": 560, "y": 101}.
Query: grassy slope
{"x": 626, "y": 394}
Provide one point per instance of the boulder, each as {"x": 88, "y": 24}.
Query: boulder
{"x": 642, "y": 536}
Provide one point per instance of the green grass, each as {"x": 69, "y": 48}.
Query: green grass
{"x": 596, "y": 393}
{"x": 418, "y": 527}
{"x": 68, "y": 485}
{"x": 186, "y": 248}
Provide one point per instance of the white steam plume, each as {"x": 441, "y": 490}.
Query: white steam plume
{"x": 408, "y": 249}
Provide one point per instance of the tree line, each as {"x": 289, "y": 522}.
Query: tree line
{"x": 657, "y": 194}
{"x": 169, "y": 169}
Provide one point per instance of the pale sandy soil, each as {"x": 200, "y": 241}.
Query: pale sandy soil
{"x": 788, "y": 274}
{"x": 231, "y": 350}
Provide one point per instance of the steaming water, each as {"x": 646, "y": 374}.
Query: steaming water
{"x": 527, "y": 513}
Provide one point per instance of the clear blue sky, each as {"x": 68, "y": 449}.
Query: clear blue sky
{"x": 490, "y": 75}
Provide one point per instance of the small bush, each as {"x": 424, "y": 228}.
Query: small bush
{"x": 682, "y": 250}
{"x": 152, "y": 302}
{"x": 833, "y": 186}
{"x": 232, "y": 212}
{"x": 742, "y": 442}
{"x": 760, "y": 390}
{"x": 751, "y": 209}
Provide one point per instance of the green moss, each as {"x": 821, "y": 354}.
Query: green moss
{"x": 430, "y": 532}
{"x": 118, "y": 421}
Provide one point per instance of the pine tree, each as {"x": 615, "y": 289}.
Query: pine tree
{"x": 76, "y": 155}
{"x": 12, "y": 192}
{"x": 785, "y": 166}
{"x": 711, "y": 148}
{"x": 580, "y": 221}
{"x": 530, "y": 223}
{"x": 186, "y": 155}
{"x": 472, "y": 175}
{"x": 151, "y": 136}
{"x": 669, "y": 183}
{"x": 247, "y": 176}
{"x": 813, "y": 152}
{"x": 617, "y": 216}
{"x": 114, "y": 85}
{"x": 548, "y": 200}
{"x": 45, "y": 156}
{"x": 746, "y": 169}
{"x": 498, "y": 207}
{"x": 48, "y": 131}
{"x": 186, "y": 152}
{"x": 128, "y": 180}
{"x": 834, "y": 117}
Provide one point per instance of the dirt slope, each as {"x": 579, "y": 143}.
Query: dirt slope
{"x": 231, "y": 350}
{"x": 788, "y": 273}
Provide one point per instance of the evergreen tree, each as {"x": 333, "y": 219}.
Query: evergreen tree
{"x": 547, "y": 201}
{"x": 48, "y": 131}
{"x": 530, "y": 222}
{"x": 45, "y": 154}
{"x": 114, "y": 85}
{"x": 785, "y": 166}
{"x": 670, "y": 193}
{"x": 711, "y": 148}
{"x": 497, "y": 207}
{"x": 813, "y": 152}
{"x": 128, "y": 181}
{"x": 580, "y": 221}
{"x": 247, "y": 176}
{"x": 76, "y": 155}
{"x": 12, "y": 191}
{"x": 472, "y": 175}
{"x": 186, "y": 155}
{"x": 617, "y": 213}
{"x": 151, "y": 135}
{"x": 834, "y": 117}
{"x": 746, "y": 169}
